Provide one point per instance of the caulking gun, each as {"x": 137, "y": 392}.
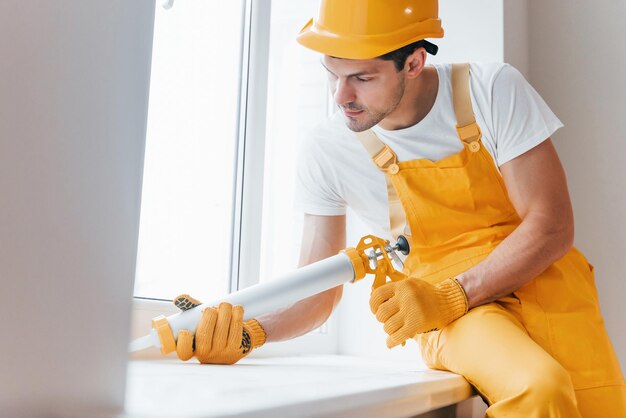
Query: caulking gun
{"x": 372, "y": 255}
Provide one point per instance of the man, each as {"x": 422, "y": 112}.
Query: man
{"x": 496, "y": 292}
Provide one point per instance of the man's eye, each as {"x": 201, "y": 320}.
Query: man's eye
{"x": 364, "y": 80}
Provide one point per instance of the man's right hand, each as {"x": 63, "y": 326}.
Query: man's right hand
{"x": 222, "y": 337}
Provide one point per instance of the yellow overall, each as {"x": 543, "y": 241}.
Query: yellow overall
{"x": 540, "y": 352}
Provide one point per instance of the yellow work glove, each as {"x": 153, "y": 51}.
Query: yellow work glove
{"x": 411, "y": 306}
{"x": 222, "y": 337}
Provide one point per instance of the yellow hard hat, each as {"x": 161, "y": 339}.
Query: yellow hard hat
{"x": 363, "y": 29}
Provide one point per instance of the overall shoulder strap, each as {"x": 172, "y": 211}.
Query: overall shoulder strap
{"x": 384, "y": 157}
{"x": 380, "y": 153}
{"x": 466, "y": 126}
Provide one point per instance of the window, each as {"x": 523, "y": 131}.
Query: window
{"x": 190, "y": 161}
{"x": 222, "y": 133}
{"x": 297, "y": 100}
{"x": 217, "y": 213}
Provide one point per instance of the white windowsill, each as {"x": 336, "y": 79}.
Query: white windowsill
{"x": 313, "y": 386}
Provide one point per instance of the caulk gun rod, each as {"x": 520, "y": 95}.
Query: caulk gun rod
{"x": 293, "y": 286}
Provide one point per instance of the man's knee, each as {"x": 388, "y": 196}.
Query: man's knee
{"x": 539, "y": 391}
{"x": 551, "y": 383}
{"x": 548, "y": 390}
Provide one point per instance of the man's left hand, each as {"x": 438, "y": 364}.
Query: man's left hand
{"x": 413, "y": 306}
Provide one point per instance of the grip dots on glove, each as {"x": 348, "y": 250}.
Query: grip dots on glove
{"x": 186, "y": 302}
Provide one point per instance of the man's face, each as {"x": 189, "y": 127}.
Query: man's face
{"x": 366, "y": 91}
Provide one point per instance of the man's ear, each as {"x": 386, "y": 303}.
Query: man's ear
{"x": 415, "y": 63}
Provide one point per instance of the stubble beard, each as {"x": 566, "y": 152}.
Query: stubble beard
{"x": 374, "y": 116}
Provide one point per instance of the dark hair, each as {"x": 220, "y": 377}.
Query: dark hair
{"x": 400, "y": 55}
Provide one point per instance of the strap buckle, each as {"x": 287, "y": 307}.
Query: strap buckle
{"x": 469, "y": 133}
{"x": 384, "y": 158}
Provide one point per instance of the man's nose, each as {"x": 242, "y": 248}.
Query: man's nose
{"x": 343, "y": 93}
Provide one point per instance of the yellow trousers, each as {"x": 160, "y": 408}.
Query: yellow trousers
{"x": 515, "y": 376}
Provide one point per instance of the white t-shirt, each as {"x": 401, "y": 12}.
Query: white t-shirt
{"x": 335, "y": 171}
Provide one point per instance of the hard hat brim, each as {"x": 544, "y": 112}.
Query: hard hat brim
{"x": 365, "y": 47}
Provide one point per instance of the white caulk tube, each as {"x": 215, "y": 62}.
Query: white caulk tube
{"x": 261, "y": 298}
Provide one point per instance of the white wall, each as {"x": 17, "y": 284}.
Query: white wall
{"x": 515, "y": 34}
{"x": 74, "y": 78}
{"x": 577, "y": 63}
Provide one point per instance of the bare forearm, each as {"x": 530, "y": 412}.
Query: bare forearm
{"x": 323, "y": 236}
{"x": 301, "y": 317}
{"x": 529, "y": 250}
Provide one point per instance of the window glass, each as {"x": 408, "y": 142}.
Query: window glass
{"x": 298, "y": 100}
{"x": 187, "y": 200}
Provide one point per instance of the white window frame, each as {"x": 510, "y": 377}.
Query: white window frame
{"x": 250, "y": 164}
{"x": 248, "y": 193}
